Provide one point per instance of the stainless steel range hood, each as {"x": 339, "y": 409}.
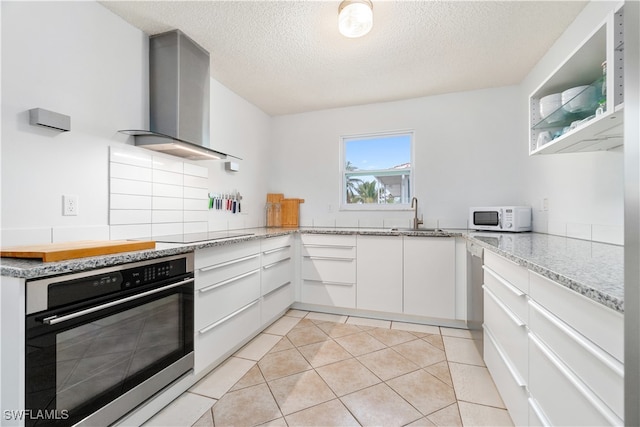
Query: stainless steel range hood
{"x": 179, "y": 99}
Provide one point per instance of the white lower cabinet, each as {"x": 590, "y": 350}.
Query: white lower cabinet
{"x": 379, "y": 273}
{"x": 554, "y": 354}
{"x": 429, "y": 268}
{"x": 328, "y": 270}
{"x": 227, "y": 300}
{"x": 276, "y": 276}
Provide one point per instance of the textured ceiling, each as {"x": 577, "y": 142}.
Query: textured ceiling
{"x": 288, "y": 57}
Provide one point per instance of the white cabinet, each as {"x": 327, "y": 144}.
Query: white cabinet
{"x": 277, "y": 276}
{"x": 584, "y": 68}
{"x": 227, "y": 300}
{"x": 555, "y": 355}
{"x": 329, "y": 270}
{"x": 429, "y": 276}
{"x": 379, "y": 273}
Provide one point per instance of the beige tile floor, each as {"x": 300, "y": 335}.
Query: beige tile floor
{"x": 318, "y": 369}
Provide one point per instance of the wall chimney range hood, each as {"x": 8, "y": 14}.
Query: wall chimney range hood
{"x": 178, "y": 99}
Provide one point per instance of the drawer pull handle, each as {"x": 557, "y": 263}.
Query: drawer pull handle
{"x": 276, "y": 289}
{"x": 224, "y": 319}
{"x": 533, "y": 404}
{"x": 512, "y": 370}
{"x": 506, "y": 284}
{"x": 588, "y": 394}
{"x": 273, "y": 251}
{"x": 228, "y": 281}
{"x": 233, "y": 261}
{"x": 330, "y": 246}
{"x": 587, "y": 345}
{"x": 266, "y": 267}
{"x": 328, "y": 258}
{"x": 504, "y": 308}
{"x": 328, "y": 283}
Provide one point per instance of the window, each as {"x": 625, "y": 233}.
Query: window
{"x": 377, "y": 171}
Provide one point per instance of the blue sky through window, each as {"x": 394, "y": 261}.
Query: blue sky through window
{"x": 378, "y": 153}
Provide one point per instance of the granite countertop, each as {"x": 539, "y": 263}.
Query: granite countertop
{"x": 595, "y": 270}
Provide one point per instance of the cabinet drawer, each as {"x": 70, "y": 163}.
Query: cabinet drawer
{"x": 341, "y": 252}
{"x": 216, "y": 301}
{"x": 600, "y": 371}
{"x": 512, "y": 297}
{"x": 276, "y": 274}
{"x": 509, "y": 332}
{"x": 272, "y": 253}
{"x": 276, "y": 302}
{"x": 512, "y": 389}
{"x": 221, "y": 254}
{"x": 598, "y": 323}
{"x": 221, "y": 338}
{"x": 217, "y": 273}
{"x": 276, "y": 242}
{"x": 331, "y": 294}
{"x": 328, "y": 240}
{"x": 329, "y": 270}
{"x": 513, "y": 273}
{"x": 562, "y": 397}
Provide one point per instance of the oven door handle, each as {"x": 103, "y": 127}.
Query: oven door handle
{"x": 55, "y": 319}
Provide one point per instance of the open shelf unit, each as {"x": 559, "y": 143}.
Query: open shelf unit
{"x": 589, "y": 132}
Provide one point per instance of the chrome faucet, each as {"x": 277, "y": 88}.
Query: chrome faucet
{"x": 416, "y": 221}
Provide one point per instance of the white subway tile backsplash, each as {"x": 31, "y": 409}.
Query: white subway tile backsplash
{"x": 75, "y": 233}
{"x": 195, "y": 227}
{"x": 130, "y": 156}
{"x": 608, "y": 234}
{"x": 25, "y": 236}
{"x": 196, "y": 205}
{"x": 196, "y": 181}
{"x": 166, "y": 229}
{"x": 579, "y": 231}
{"x": 126, "y": 201}
{"x": 136, "y": 173}
{"x": 169, "y": 165}
{"x": 558, "y": 228}
{"x": 158, "y": 216}
{"x": 196, "y": 216}
{"x": 167, "y": 203}
{"x": 127, "y": 186}
{"x": 367, "y": 222}
{"x": 129, "y": 216}
{"x": 164, "y": 177}
{"x": 195, "y": 170}
{"x": 154, "y": 194}
{"x": 167, "y": 190}
{"x": 324, "y": 222}
{"x": 137, "y": 231}
{"x": 195, "y": 193}
{"x": 347, "y": 222}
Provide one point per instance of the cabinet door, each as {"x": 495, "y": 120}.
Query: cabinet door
{"x": 379, "y": 273}
{"x": 429, "y": 277}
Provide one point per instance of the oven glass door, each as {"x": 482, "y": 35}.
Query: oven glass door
{"x": 486, "y": 218}
{"x": 77, "y": 366}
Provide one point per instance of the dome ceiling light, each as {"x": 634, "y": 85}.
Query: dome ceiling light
{"x": 355, "y": 17}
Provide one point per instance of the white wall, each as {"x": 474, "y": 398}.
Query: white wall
{"x": 585, "y": 191}
{"x": 80, "y": 59}
{"x": 466, "y": 154}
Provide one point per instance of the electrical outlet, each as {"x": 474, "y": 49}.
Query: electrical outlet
{"x": 69, "y": 205}
{"x": 545, "y": 204}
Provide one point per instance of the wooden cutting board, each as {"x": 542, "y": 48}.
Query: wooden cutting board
{"x": 71, "y": 250}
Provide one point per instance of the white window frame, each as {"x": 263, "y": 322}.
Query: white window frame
{"x": 344, "y": 206}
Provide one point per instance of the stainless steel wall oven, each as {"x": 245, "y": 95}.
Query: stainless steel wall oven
{"x": 101, "y": 342}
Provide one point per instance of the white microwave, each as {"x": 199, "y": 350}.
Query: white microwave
{"x": 500, "y": 218}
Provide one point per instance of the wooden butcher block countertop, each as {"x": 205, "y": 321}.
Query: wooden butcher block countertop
{"x": 71, "y": 250}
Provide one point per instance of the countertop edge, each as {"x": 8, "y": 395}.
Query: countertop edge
{"x": 30, "y": 270}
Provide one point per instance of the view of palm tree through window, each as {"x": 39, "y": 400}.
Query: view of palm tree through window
{"x": 377, "y": 169}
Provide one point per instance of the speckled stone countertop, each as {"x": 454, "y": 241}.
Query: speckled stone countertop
{"x": 595, "y": 270}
